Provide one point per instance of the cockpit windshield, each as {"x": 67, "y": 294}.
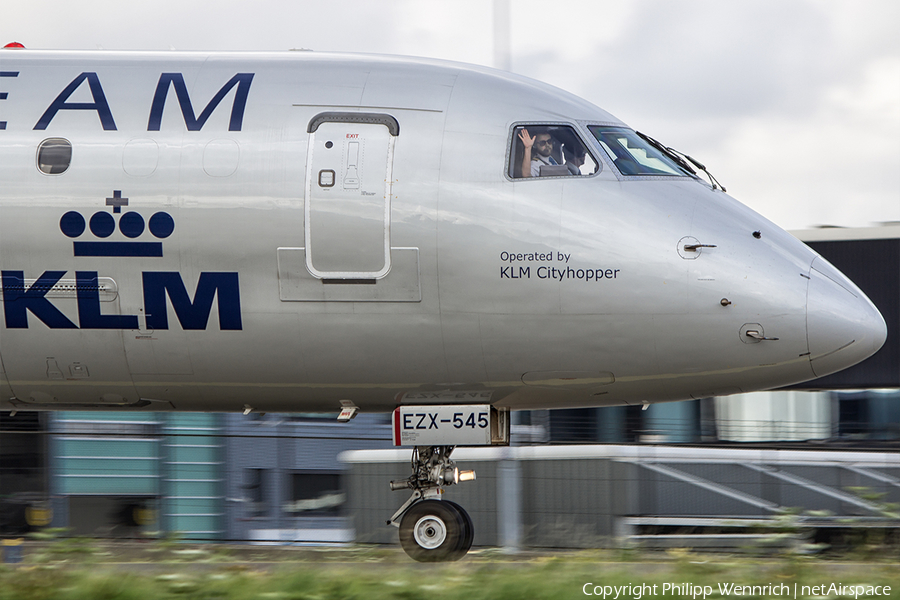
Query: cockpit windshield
{"x": 634, "y": 155}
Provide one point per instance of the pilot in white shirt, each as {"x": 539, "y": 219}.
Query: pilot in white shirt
{"x": 537, "y": 152}
{"x": 538, "y": 160}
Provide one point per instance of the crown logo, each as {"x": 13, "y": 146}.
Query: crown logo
{"x": 130, "y": 224}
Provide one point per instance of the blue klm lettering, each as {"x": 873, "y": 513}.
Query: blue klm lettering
{"x": 18, "y": 301}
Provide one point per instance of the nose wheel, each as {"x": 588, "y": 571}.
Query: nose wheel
{"x": 431, "y": 529}
{"x": 436, "y": 531}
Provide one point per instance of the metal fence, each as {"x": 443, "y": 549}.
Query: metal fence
{"x": 591, "y": 496}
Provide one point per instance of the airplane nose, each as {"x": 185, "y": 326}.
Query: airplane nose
{"x": 843, "y": 326}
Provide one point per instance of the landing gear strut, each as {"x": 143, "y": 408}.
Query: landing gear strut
{"x": 431, "y": 529}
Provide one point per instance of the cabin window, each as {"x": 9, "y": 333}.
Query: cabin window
{"x": 634, "y": 155}
{"x": 549, "y": 151}
{"x": 54, "y": 156}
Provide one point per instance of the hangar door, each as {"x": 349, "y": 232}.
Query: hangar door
{"x": 348, "y": 195}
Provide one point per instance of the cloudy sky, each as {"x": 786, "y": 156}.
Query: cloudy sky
{"x": 794, "y": 105}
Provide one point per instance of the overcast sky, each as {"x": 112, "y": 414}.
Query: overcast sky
{"x": 793, "y": 105}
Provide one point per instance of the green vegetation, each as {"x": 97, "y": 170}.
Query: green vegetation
{"x": 108, "y": 571}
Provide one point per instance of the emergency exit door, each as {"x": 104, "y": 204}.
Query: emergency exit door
{"x": 348, "y": 195}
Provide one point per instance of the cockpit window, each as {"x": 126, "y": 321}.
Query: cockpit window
{"x": 549, "y": 151}
{"x": 632, "y": 154}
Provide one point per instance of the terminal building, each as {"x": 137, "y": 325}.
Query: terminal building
{"x": 202, "y": 476}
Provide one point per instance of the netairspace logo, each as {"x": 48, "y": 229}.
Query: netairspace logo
{"x": 771, "y": 590}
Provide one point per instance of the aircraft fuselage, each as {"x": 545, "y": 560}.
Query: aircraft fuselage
{"x": 287, "y": 231}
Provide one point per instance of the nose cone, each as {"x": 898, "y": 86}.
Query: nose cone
{"x": 843, "y": 326}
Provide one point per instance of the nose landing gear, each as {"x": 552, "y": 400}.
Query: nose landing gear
{"x": 436, "y": 530}
{"x": 431, "y": 529}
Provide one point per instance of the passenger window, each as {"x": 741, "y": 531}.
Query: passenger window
{"x": 54, "y": 156}
{"x": 549, "y": 151}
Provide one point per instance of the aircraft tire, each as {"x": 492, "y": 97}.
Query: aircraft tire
{"x": 433, "y": 531}
{"x": 469, "y": 534}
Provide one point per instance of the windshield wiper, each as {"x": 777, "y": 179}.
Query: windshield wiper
{"x": 682, "y": 160}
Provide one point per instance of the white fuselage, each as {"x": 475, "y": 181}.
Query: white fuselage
{"x": 404, "y": 266}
